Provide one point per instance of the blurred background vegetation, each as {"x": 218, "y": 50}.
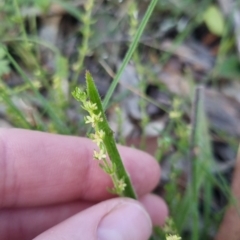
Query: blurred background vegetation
{"x": 178, "y": 97}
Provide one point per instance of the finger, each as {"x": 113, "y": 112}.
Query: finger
{"x": 41, "y": 169}
{"x": 27, "y": 223}
{"x": 113, "y": 219}
{"x": 156, "y": 208}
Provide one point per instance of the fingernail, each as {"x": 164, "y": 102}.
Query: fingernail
{"x": 129, "y": 220}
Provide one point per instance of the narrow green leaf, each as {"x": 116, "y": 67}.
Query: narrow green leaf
{"x": 109, "y": 140}
{"x": 129, "y": 52}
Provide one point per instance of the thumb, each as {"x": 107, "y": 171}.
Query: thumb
{"x": 118, "y": 219}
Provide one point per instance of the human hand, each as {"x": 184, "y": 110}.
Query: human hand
{"x": 51, "y": 187}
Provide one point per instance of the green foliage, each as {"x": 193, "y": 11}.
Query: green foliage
{"x": 19, "y": 54}
{"x": 214, "y": 20}
{"x": 130, "y": 51}
{"x": 42, "y": 4}
{"x": 201, "y": 161}
{"x": 104, "y": 138}
{"x": 229, "y": 67}
{"x": 4, "y": 64}
{"x": 83, "y": 49}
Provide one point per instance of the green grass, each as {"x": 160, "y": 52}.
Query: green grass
{"x": 48, "y": 91}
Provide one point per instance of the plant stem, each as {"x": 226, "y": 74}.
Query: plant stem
{"x": 130, "y": 52}
{"x": 194, "y": 161}
{"x": 86, "y": 32}
{"x": 108, "y": 140}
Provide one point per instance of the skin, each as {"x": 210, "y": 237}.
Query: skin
{"x": 51, "y": 188}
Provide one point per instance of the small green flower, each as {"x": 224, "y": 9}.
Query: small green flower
{"x": 93, "y": 119}
{"x": 97, "y": 137}
{"x": 90, "y": 119}
{"x": 99, "y": 155}
{"x": 175, "y": 114}
{"x": 98, "y": 118}
{"x": 121, "y": 185}
{"x": 111, "y": 170}
{"x": 89, "y": 106}
{"x": 101, "y": 134}
{"x": 79, "y": 94}
{"x": 173, "y": 237}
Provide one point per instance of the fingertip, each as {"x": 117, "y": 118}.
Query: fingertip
{"x": 126, "y": 221}
{"x": 143, "y": 168}
{"x": 156, "y": 208}
{"x": 118, "y": 219}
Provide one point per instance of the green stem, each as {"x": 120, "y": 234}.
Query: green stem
{"x": 84, "y": 48}
{"x": 130, "y": 52}
{"x": 21, "y": 21}
{"x": 108, "y": 140}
